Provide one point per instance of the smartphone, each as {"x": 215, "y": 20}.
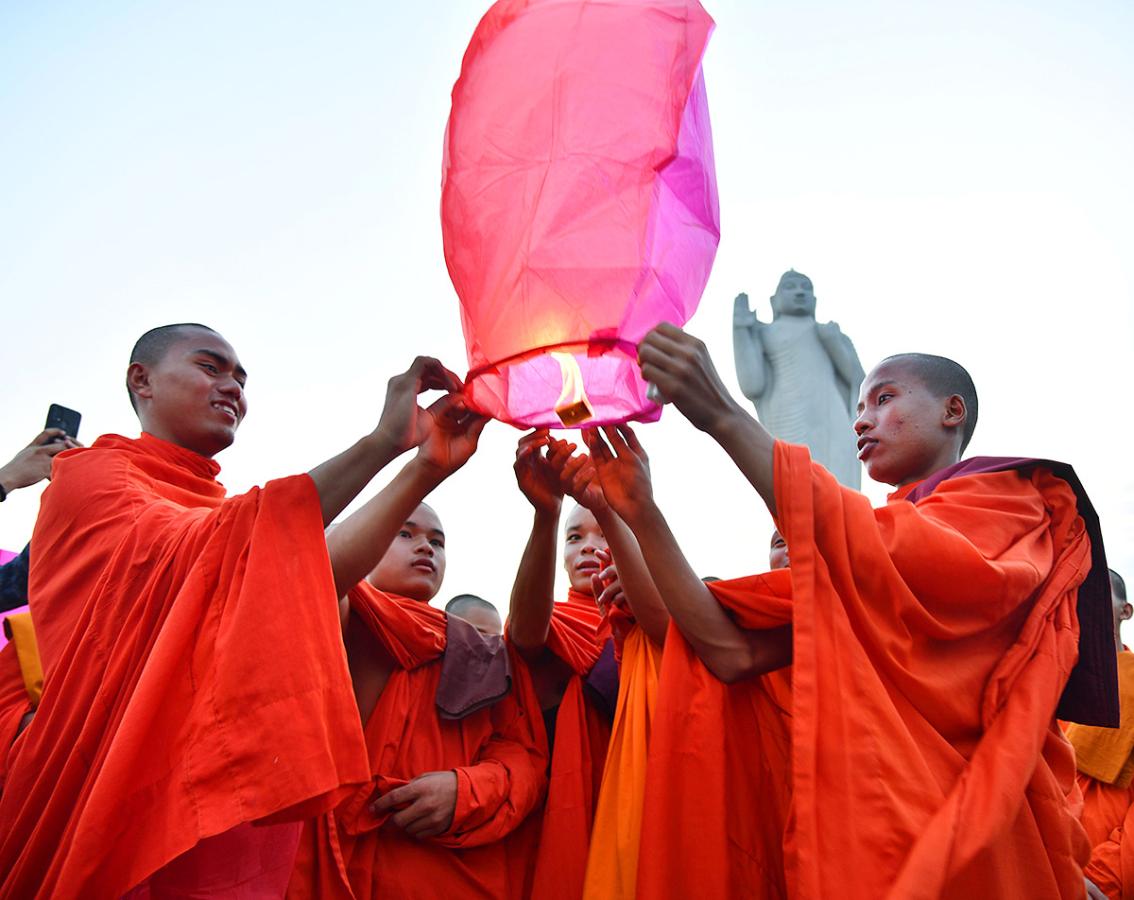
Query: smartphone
{"x": 61, "y": 417}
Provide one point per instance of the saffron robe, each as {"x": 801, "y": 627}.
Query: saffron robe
{"x": 497, "y": 752}
{"x": 1105, "y": 759}
{"x": 578, "y": 636}
{"x": 194, "y": 671}
{"x": 932, "y": 643}
{"x": 612, "y": 860}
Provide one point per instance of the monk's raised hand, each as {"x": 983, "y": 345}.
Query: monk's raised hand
{"x": 451, "y": 432}
{"x": 403, "y": 423}
{"x": 606, "y": 585}
{"x": 580, "y": 481}
{"x": 622, "y": 467}
{"x": 681, "y": 368}
{"x": 424, "y": 807}
{"x": 534, "y": 475}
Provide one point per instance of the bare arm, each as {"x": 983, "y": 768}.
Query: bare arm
{"x": 358, "y": 543}
{"x": 680, "y": 366}
{"x": 533, "y": 592}
{"x": 730, "y": 652}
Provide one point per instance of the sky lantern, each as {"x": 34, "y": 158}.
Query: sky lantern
{"x": 579, "y": 201}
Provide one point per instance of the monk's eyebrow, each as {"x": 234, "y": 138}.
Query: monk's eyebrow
{"x": 412, "y": 524}
{"x": 223, "y": 360}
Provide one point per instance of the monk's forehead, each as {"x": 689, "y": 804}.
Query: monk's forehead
{"x": 892, "y": 371}
{"x": 581, "y": 517}
{"x": 193, "y": 338}
{"x": 426, "y": 518}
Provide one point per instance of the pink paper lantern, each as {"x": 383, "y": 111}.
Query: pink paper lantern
{"x": 579, "y": 201}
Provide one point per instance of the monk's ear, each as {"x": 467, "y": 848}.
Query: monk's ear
{"x": 955, "y": 412}
{"x": 138, "y": 380}
{"x": 1127, "y": 612}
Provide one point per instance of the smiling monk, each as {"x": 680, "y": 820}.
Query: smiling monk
{"x": 195, "y": 677}
{"x": 932, "y": 643}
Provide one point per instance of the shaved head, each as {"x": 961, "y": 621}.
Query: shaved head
{"x": 477, "y": 611}
{"x": 943, "y": 377}
{"x": 152, "y": 346}
{"x": 1117, "y": 585}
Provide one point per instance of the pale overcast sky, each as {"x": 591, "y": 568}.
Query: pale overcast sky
{"x": 955, "y": 178}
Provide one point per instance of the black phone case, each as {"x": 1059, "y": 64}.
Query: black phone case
{"x": 62, "y": 417}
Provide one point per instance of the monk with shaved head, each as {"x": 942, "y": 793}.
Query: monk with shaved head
{"x": 575, "y": 647}
{"x": 932, "y": 643}
{"x": 195, "y": 679}
{"x": 456, "y": 750}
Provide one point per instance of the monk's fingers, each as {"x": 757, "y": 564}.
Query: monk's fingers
{"x": 392, "y": 799}
{"x": 571, "y": 467}
{"x": 433, "y": 823}
{"x": 632, "y": 441}
{"x": 559, "y": 452}
{"x": 611, "y": 596}
{"x": 604, "y": 557}
{"x": 596, "y": 445}
{"x": 47, "y": 436}
{"x": 617, "y": 442}
{"x": 532, "y": 442}
{"x": 430, "y": 374}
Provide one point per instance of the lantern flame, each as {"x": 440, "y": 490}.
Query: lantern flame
{"x": 572, "y": 407}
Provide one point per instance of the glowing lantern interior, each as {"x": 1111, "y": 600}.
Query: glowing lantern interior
{"x": 579, "y": 202}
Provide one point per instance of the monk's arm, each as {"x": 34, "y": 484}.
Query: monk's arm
{"x": 641, "y": 593}
{"x": 358, "y": 543}
{"x": 340, "y": 479}
{"x": 533, "y": 593}
{"x": 730, "y": 652}
{"x": 680, "y": 366}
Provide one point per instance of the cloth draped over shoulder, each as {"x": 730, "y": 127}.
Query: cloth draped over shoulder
{"x": 1105, "y": 758}
{"x": 496, "y": 749}
{"x": 932, "y": 643}
{"x": 194, "y": 672}
{"x": 579, "y": 636}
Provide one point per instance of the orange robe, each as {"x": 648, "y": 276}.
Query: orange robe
{"x": 497, "y": 752}
{"x": 14, "y": 704}
{"x": 932, "y": 644}
{"x": 195, "y": 677}
{"x": 612, "y": 862}
{"x": 717, "y": 793}
{"x": 1105, "y": 758}
{"x": 578, "y": 636}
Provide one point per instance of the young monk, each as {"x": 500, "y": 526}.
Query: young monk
{"x": 932, "y": 642}
{"x": 570, "y": 645}
{"x": 478, "y": 611}
{"x": 456, "y": 750}
{"x": 1105, "y": 760}
{"x": 195, "y": 679}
